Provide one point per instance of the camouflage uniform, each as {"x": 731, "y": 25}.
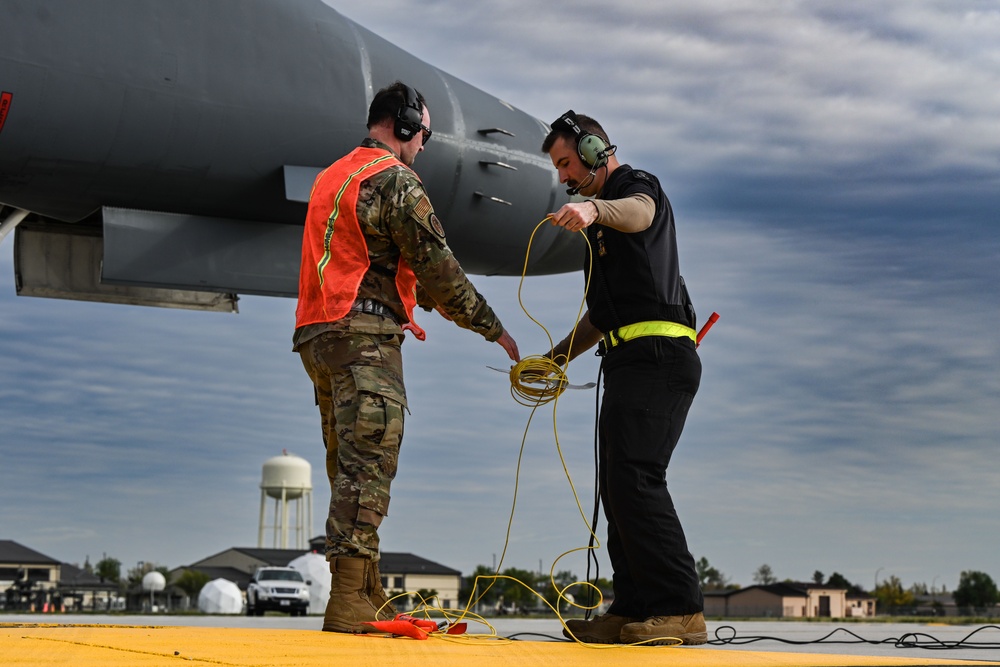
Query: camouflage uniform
{"x": 355, "y": 363}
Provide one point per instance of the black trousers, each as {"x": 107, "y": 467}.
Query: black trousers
{"x": 649, "y": 385}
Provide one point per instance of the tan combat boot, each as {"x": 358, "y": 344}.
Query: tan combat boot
{"x": 349, "y": 605}
{"x": 378, "y": 595}
{"x": 658, "y": 630}
{"x": 602, "y": 629}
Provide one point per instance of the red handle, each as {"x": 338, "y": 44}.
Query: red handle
{"x": 712, "y": 319}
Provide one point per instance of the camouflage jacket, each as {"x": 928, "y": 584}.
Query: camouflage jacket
{"x": 398, "y": 220}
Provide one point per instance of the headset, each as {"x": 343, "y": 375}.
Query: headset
{"x": 592, "y": 149}
{"x": 409, "y": 116}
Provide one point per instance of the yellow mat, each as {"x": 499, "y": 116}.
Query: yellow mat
{"x": 141, "y": 646}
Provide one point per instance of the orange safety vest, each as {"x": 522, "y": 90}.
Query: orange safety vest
{"x": 334, "y": 250}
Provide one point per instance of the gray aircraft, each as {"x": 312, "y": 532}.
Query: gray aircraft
{"x": 162, "y": 152}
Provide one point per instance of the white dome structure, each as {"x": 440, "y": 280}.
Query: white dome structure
{"x": 220, "y": 596}
{"x": 287, "y": 479}
{"x": 316, "y": 571}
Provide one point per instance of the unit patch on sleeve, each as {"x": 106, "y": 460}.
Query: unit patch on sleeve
{"x": 436, "y": 225}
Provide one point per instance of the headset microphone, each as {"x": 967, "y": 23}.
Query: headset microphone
{"x": 587, "y": 181}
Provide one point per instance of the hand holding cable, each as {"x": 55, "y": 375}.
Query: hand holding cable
{"x": 575, "y": 216}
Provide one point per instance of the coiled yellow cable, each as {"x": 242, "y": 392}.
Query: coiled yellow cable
{"x": 538, "y": 379}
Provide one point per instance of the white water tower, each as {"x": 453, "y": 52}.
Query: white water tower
{"x": 288, "y": 480}
{"x": 154, "y": 582}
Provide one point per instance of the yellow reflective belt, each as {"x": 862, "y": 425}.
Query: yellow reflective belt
{"x": 653, "y": 328}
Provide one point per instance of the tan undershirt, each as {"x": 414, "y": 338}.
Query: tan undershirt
{"x": 630, "y": 214}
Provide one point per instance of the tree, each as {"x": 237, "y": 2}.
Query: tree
{"x": 191, "y": 582}
{"x": 109, "y": 569}
{"x": 606, "y": 587}
{"x": 976, "y": 590}
{"x": 486, "y": 591}
{"x": 424, "y": 597}
{"x": 513, "y": 586}
{"x": 135, "y": 574}
{"x": 764, "y": 576}
{"x": 838, "y": 580}
{"x": 710, "y": 578}
{"x": 818, "y": 577}
{"x": 563, "y": 579}
{"x": 891, "y": 596}
{"x": 518, "y": 589}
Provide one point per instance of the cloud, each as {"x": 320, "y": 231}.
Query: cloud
{"x": 792, "y": 110}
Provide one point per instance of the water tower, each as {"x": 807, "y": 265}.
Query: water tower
{"x": 154, "y": 582}
{"x": 287, "y": 479}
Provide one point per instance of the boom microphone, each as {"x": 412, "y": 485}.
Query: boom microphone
{"x": 587, "y": 181}
{"x": 601, "y": 161}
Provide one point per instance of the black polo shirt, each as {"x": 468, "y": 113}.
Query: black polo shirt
{"x": 636, "y": 276}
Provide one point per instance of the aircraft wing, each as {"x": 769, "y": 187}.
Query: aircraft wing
{"x": 162, "y": 153}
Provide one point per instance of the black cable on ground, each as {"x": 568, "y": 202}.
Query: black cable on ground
{"x": 919, "y": 640}
{"x": 909, "y": 640}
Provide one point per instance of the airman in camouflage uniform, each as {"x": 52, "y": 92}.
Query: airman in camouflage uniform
{"x": 355, "y": 362}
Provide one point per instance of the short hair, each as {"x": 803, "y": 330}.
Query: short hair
{"x": 585, "y": 123}
{"x": 388, "y": 102}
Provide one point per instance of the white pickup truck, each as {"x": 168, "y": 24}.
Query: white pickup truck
{"x": 277, "y": 589}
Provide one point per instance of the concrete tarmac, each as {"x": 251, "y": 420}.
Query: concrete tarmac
{"x": 241, "y": 640}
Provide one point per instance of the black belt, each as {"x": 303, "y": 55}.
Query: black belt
{"x": 375, "y": 308}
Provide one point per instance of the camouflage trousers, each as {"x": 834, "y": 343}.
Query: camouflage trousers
{"x": 359, "y": 388}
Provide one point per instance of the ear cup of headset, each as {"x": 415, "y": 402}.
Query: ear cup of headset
{"x": 408, "y": 117}
{"x": 592, "y": 150}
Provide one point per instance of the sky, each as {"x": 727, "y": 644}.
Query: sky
{"x": 834, "y": 169}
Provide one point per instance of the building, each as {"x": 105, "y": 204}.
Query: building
{"x": 401, "y": 572}
{"x": 860, "y": 604}
{"x": 789, "y": 600}
{"x": 85, "y": 591}
{"x": 32, "y": 581}
{"x": 238, "y": 564}
{"x": 28, "y": 579}
{"x": 405, "y": 572}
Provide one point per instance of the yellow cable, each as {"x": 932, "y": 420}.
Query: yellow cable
{"x": 538, "y": 379}
{"x": 535, "y": 381}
